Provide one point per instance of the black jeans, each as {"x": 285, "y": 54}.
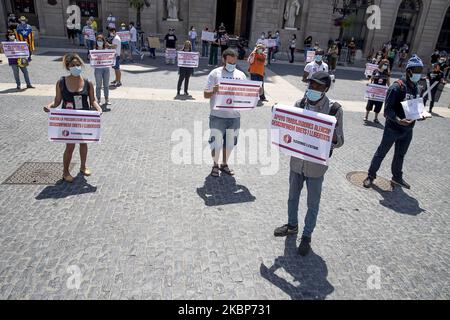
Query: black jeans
{"x": 392, "y": 135}
{"x": 291, "y": 58}
{"x": 257, "y": 77}
{"x": 433, "y": 94}
{"x": 185, "y": 75}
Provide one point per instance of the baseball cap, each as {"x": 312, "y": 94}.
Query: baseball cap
{"x": 321, "y": 77}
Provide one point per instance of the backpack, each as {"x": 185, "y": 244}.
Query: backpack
{"x": 334, "y": 108}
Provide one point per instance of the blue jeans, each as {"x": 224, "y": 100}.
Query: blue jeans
{"x": 194, "y": 45}
{"x": 314, "y": 187}
{"x": 101, "y": 78}
{"x": 15, "y": 69}
{"x": 205, "y": 48}
{"x": 133, "y": 46}
{"x": 402, "y": 140}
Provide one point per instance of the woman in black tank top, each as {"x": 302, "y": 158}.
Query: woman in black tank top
{"x": 75, "y": 93}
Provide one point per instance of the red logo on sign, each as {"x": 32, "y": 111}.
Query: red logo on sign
{"x": 65, "y": 133}
{"x": 287, "y": 138}
{"x": 229, "y": 101}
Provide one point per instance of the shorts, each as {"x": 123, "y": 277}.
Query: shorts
{"x": 125, "y": 46}
{"x": 71, "y": 33}
{"x": 377, "y": 104}
{"x": 224, "y": 132}
{"x": 117, "y": 64}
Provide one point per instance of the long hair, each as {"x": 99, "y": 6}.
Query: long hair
{"x": 187, "y": 44}
{"x": 69, "y": 57}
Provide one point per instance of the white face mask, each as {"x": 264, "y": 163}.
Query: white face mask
{"x": 12, "y": 38}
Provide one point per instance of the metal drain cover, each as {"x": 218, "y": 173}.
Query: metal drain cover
{"x": 357, "y": 178}
{"x": 47, "y": 173}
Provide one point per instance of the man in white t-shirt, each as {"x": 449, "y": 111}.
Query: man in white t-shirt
{"x": 117, "y": 45}
{"x": 315, "y": 66}
{"x": 224, "y": 124}
{"x": 133, "y": 41}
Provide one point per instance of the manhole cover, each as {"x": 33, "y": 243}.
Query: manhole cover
{"x": 357, "y": 178}
{"x": 37, "y": 173}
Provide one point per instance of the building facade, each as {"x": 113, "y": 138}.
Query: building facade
{"x": 422, "y": 24}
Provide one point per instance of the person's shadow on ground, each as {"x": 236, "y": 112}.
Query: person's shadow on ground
{"x": 399, "y": 201}
{"x": 223, "y": 190}
{"x": 63, "y": 189}
{"x": 374, "y": 124}
{"x": 310, "y": 272}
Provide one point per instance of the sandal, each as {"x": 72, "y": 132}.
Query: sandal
{"x": 226, "y": 169}
{"x": 68, "y": 178}
{"x": 215, "y": 171}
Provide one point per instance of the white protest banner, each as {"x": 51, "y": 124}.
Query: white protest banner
{"x": 17, "y": 49}
{"x": 74, "y": 126}
{"x": 188, "y": 59}
{"x": 375, "y": 92}
{"x": 124, "y": 36}
{"x": 237, "y": 94}
{"x": 171, "y": 54}
{"x": 270, "y": 43}
{"x": 370, "y": 68}
{"x": 89, "y": 34}
{"x": 303, "y": 134}
{"x": 102, "y": 58}
{"x": 310, "y": 55}
{"x": 207, "y": 36}
{"x": 414, "y": 109}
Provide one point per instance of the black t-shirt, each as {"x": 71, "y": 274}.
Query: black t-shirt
{"x": 435, "y": 57}
{"x": 379, "y": 78}
{"x": 396, "y": 94}
{"x": 171, "y": 40}
{"x": 435, "y": 76}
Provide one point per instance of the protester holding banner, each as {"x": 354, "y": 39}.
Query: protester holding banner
{"x": 24, "y": 32}
{"x": 258, "y": 61}
{"x": 185, "y": 72}
{"x": 302, "y": 171}
{"x": 171, "y": 44}
{"x": 315, "y": 66}
{"x": 382, "y": 77}
{"x": 102, "y": 74}
{"x": 398, "y": 129}
{"x": 434, "y": 77}
{"x": 124, "y": 35}
{"x": 89, "y": 36}
{"x": 76, "y": 93}
{"x": 18, "y": 63}
{"x": 224, "y": 124}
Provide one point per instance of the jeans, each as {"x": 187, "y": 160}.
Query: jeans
{"x": 257, "y": 77}
{"x": 80, "y": 38}
{"x": 205, "y": 47}
{"x": 291, "y": 58}
{"x": 213, "y": 55}
{"x": 101, "y": 78}
{"x": 402, "y": 140}
{"x": 224, "y": 133}
{"x": 194, "y": 45}
{"x": 314, "y": 188}
{"x": 153, "y": 52}
{"x": 185, "y": 75}
{"x": 15, "y": 69}
{"x": 133, "y": 46}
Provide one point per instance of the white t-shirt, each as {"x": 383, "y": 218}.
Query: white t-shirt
{"x": 314, "y": 67}
{"x": 192, "y": 35}
{"x": 118, "y": 43}
{"x": 133, "y": 33}
{"x": 214, "y": 78}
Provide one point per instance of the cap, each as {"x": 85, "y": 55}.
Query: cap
{"x": 321, "y": 77}
{"x": 22, "y": 18}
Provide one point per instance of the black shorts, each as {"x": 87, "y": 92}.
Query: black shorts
{"x": 377, "y": 104}
{"x": 71, "y": 33}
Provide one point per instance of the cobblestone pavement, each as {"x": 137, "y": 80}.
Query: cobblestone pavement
{"x": 144, "y": 227}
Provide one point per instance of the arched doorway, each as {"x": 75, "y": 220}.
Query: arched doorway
{"x": 444, "y": 37}
{"x": 405, "y": 24}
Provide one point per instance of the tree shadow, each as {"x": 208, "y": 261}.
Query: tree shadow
{"x": 223, "y": 190}
{"x": 399, "y": 201}
{"x": 63, "y": 189}
{"x": 310, "y": 272}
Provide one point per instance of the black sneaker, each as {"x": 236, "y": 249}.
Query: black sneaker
{"x": 30, "y": 86}
{"x": 368, "y": 182}
{"x": 401, "y": 183}
{"x": 305, "y": 246}
{"x": 285, "y": 230}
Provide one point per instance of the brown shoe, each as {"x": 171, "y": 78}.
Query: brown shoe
{"x": 86, "y": 172}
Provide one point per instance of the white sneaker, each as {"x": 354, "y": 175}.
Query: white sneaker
{"x": 107, "y": 102}
{"x": 142, "y": 56}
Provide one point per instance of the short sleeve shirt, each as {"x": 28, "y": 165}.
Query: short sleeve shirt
{"x": 171, "y": 40}
{"x": 314, "y": 67}
{"x": 116, "y": 41}
{"x": 214, "y": 78}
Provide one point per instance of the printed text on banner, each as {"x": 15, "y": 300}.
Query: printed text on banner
{"x": 237, "y": 94}
{"x": 16, "y": 49}
{"x": 102, "y": 58}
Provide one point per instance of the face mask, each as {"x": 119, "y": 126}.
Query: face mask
{"x": 230, "y": 67}
{"x": 75, "y": 71}
{"x": 112, "y": 35}
{"x": 384, "y": 67}
{"x": 100, "y": 44}
{"x": 416, "y": 77}
{"x": 259, "y": 51}
{"x": 318, "y": 58}
{"x": 262, "y": 37}
{"x": 12, "y": 38}
{"x": 313, "y": 95}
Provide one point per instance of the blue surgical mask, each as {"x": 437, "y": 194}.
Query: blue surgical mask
{"x": 75, "y": 71}
{"x": 100, "y": 44}
{"x": 313, "y": 95}
{"x": 230, "y": 67}
{"x": 416, "y": 77}
{"x": 318, "y": 58}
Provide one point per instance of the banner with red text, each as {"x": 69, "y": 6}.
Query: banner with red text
{"x": 237, "y": 95}
{"x": 17, "y": 49}
{"x": 102, "y": 58}
{"x": 74, "y": 126}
